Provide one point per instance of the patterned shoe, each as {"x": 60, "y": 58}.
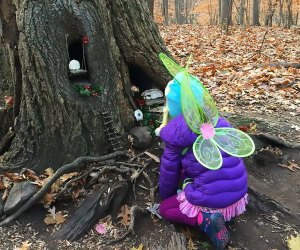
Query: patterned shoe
{"x": 213, "y": 225}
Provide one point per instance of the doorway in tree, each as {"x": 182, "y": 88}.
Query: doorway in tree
{"x": 140, "y": 79}
{"x": 77, "y": 55}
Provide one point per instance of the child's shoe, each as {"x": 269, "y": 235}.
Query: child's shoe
{"x": 213, "y": 225}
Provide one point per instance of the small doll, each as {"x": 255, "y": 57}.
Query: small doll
{"x": 203, "y": 152}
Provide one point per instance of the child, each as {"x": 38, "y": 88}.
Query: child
{"x": 208, "y": 197}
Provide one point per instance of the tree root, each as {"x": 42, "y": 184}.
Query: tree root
{"x": 133, "y": 211}
{"x": 68, "y": 168}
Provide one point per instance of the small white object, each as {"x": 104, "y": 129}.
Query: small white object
{"x": 138, "y": 115}
{"x": 74, "y": 65}
{"x": 151, "y": 94}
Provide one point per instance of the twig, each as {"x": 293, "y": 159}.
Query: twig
{"x": 105, "y": 168}
{"x": 73, "y": 180}
{"x": 137, "y": 176}
{"x": 128, "y": 164}
{"x": 259, "y": 51}
{"x": 133, "y": 212}
{"x": 137, "y": 156}
{"x": 61, "y": 171}
{"x": 151, "y": 186}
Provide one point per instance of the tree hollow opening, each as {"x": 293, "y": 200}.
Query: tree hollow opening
{"x": 78, "y": 66}
{"x": 140, "y": 78}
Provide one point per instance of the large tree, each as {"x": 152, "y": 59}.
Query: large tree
{"x": 53, "y": 124}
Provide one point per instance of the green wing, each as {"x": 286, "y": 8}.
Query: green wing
{"x": 234, "y": 142}
{"x": 207, "y": 104}
{"x": 207, "y": 153}
{"x": 171, "y": 66}
{"x": 193, "y": 115}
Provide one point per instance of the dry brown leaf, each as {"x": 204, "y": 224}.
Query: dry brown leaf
{"x": 57, "y": 218}
{"x": 25, "y": 246}
{"x": 152, "y": 156}
{"x": 66, "y": 177}
{"x": 48, "y": 199}
{"x": 124, "y": 215}
{"x": 49, "y": 172}
{"x": 290, "y": 165}
{"x": 293, "y": 242}
{"x": 140, "y": 247}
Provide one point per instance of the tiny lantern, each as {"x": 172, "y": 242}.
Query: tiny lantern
{"x": 85, "y": 39}
{"x": 138, "y": 115}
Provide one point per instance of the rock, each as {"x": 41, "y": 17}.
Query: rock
{"x": 142, "y": 138}
{"x": 151, "y": 94}
{"x": 18, "y": 195}
{"x": 158, "y": 101}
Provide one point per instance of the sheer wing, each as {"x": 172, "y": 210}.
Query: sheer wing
{"x": 193, "y": 115}
{"x": 207, "y": 153}
{"x": 234, "y": 142}
{"x": 171, "y": 66}
{"x": 209, "y": 108}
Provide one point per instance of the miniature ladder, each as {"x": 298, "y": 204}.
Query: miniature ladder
{"x": 113, "y": 136}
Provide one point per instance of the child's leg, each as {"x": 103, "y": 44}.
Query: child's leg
{"x": 169, "y": 210}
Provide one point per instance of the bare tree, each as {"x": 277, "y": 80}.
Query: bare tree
{"x": 165, "y": 11}
{"x": 151, "y": 6}
{"x": 179, "y": 11}
{"x": 242, "y": 12}
{"x": 255, "y": 12}
{"x": 269, "y": 14}
{"x": 226, "y": 14}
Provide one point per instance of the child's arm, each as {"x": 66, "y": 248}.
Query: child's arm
{"x": 170, "y": 170}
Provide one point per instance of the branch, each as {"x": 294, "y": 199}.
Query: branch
{"x": 61, "y": 171}
{"x": 133, "y": 211}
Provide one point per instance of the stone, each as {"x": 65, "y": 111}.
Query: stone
{"x": 18, "y": 195}
{"x": 142, "y": 138}
{"x": 157, "y": 101}
{"x": 151, "y": 94}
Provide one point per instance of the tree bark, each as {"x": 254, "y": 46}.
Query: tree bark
{"x": 242, "y": 12}
{"x": 165, "y": 10}
{"x": 255, "y": 12}
{"x": 151, "y": 6}
{"x": 53, "y": 123}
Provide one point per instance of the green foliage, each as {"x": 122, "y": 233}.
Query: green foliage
{"x": 88, "y": 90}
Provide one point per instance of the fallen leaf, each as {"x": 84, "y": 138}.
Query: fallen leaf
{"x": 57, "y": 219}
{"x": 293, "y": 242}
{"x": 124, "y": 215}
{"x": 140, "y": 247}
{"x": 290, "y": 165}
{"x": 66, "y": 177}
{"x": 154, "y": 157}
{"x": 25, "y": 246}
{"x": 49, "y": 172}
{"x": 48, "y": 199}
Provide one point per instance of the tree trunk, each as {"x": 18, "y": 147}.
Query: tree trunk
{"x": 242, "y": 12}
{"x": 151, "y": 6}
{"x": 165, "y": 8}
{"x": 226, "y": 14}
{"x": 255, "y": 12}
{"x": 179, "y": 10}
{"x": 53, "y": 123}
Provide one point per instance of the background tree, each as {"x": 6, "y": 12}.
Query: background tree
{"x": 53, "y": 123}
{"x": 151, "y": 6}
{"x": 255, "y": 12}
{"x": 165, "y": 11}
{"x": 242, "y": 12}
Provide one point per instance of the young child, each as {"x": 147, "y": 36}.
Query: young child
{"x": 207, "y": 197}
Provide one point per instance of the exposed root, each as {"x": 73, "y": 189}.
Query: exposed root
{"x": 133, "y": 211}
{"x": 68, "y": 168}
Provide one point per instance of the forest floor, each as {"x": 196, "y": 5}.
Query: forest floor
{"x": 246, "y": 72}
{"x": 254, "y": 230}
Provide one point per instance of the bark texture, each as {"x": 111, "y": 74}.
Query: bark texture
{"x": 53, "y": 123}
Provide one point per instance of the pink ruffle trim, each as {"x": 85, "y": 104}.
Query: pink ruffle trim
{"x": 230, "y": 212}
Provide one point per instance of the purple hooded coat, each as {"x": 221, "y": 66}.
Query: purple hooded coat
{"x": 210, "y": 188}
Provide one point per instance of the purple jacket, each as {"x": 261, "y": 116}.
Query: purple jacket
{"x": 210, "y": 188}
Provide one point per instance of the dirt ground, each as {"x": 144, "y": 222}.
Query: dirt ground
{"x": 256, "y": 229}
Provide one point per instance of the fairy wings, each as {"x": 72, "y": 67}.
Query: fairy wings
{"x": 201, "y": 115}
